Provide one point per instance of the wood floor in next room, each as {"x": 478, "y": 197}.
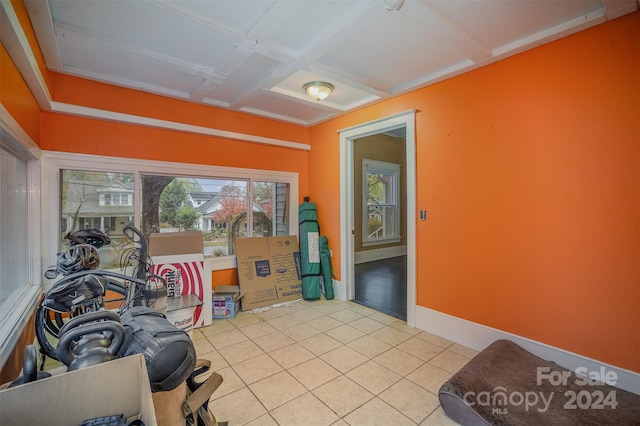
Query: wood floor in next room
{"x": 382, "y": 285}
{"x": 327, "y": 363}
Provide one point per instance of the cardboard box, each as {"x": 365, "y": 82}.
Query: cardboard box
{"x": 169, "y": 243}
{"x": 116, "y": 387}
{"x": 268, "y": 270}
{"x": 178, "y": 258}
{"x": 285, "y": 258}
{"x": 226, "y": 301}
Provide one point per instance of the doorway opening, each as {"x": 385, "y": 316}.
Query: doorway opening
{"x": 380, "y": 237}
{"x": 400, "y": 123}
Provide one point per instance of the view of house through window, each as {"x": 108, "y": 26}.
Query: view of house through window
{"x": 217, "y": 207}
{"x": 100, "y": 200}
{"x": 381, "y": 182}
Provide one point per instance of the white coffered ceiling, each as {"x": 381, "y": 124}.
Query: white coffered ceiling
{"x": 255, "y": 55}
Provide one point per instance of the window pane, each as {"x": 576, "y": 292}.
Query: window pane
{"x": 380, "y": 185}
{"x": 381, "y": 220}
{"x": 90, "y": 199}
{"x": 217, "y": 207}
{"x": 225, "y": 215}
{"x": 270, "y": 214}
{"x": 14, "y": 255}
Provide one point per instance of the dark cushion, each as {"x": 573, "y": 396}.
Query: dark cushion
{"x": 507, "y": 385}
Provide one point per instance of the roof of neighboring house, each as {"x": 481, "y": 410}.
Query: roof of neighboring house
{"x": 209, "y": 206}
{"x": 202, "y": 195}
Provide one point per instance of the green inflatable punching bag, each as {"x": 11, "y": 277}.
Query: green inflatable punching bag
{"x": 309, "y": 250}
{"x": 326, "y": 268}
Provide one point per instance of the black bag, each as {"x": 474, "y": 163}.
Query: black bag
{"x": 168, "y": 351}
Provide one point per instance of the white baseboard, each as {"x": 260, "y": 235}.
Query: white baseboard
{"x": 377, "y": 254}
{"x": 340, "y": 290}
{"x": 477, "y": 336}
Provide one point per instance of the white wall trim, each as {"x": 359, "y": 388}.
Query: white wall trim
{"x": 378, "y": 254}
{"x": 120, "y": 117}
{"x": 340, "y": 290}
{"x": 477, "y": 336}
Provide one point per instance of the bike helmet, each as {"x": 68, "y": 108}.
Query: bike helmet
{"x": 77, "y": 258}
{"x": 92, "y": 236}
{"x": 84, "y": 291}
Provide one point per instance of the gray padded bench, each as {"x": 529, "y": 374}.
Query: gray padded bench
{"x": 503, "y": 386}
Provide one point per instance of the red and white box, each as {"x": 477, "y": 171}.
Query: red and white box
{"x": 178, "y": 258}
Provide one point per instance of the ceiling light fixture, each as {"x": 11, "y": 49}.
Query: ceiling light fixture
{"x": 393, "y": 4}
{"x": 318, "y": 90}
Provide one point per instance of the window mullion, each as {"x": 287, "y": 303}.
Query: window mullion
{"x": 249, "y": 203}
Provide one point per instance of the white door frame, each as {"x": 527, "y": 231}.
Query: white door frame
{"x": 346, "y": 288}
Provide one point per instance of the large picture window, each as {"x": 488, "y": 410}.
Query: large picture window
{"x": 381, "y": 204}
{"x": 222, "y": 203}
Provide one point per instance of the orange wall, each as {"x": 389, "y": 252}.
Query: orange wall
{"x": 530, "y": 172}
{"x": 78, "y": 91}
{"x": 224, "y": 277}
{"x": 90, "y": 136}
{"x": 16, "y": 97}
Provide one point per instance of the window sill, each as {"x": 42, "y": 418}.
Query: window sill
{"x": 15, "y": 315}
{"x": 381, "y": 241}
{"x": 222, "y": 262}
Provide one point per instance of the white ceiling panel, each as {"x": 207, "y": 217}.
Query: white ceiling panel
{"x": 146, "y": 27}
{"x": 233, "y": 16}
{"x": 275, "y": 106}
{"x": 496, "y": 23}
{"x": 387, "y": 59}
{"x": 109, "y": 63}
{"x": 245, "y": 78}
{"x": 255, "y": 55}
{"x": 302, "y": 25}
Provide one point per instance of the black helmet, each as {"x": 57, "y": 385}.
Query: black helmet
{"x": 77, "y": 258}
{"x": 82, "y": 291}
{"x": 92, "y": 236}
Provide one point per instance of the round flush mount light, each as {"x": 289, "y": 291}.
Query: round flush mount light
{"x": 391, "y": 5}
{"x": 318, "y": 90}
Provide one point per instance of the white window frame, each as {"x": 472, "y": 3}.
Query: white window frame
{"x": 53, "y": 162}
{"x": 16, "y": 312}
{"x": 393, "y": 169}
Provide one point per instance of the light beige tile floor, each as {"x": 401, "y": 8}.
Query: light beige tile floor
{"x": 327, "y": 363}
